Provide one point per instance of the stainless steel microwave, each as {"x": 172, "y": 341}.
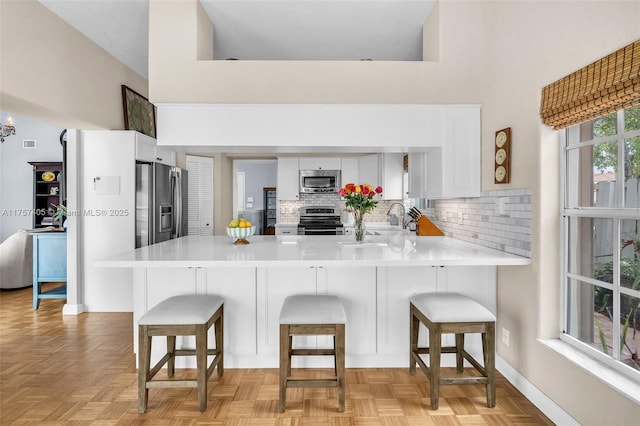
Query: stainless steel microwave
{"x": 319, "y": 181}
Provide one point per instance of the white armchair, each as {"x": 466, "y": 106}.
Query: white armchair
{"x": 16, "y": 261}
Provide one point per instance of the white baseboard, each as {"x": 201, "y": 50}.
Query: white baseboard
{"x": 69, "y": 309}
{"x": 545, "y": 404}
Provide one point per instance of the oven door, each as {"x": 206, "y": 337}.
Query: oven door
{"x": 319, "y": 231}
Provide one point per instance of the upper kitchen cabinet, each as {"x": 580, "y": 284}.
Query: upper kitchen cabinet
{"x": 453, "y": 169}
{"x": 349, "y": 170}
{"x": 319, "y": 163}
{"x": 288, "y": 177}
{"x": 148, "y": 150}
{"x": 384, "y": 170}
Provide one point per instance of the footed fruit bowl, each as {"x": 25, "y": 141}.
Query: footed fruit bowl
{"x": 241, "y": 234}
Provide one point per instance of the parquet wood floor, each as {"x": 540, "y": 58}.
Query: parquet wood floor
{"x": 76, "y": 370}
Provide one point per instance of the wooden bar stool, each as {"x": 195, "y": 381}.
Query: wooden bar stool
{"x": 189, "y": 315}
{"x": 458, "y": 314}
{"x": 312, "y": 315}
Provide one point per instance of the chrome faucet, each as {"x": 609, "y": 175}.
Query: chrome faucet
{"x": 404, "y": 223}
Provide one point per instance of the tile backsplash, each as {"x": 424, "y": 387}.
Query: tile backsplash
{"x": 290, "y": 210}
{"x": 499, "y": 220}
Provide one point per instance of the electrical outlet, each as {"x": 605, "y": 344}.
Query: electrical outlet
{"x": 505, "y": 336}
{"x": 460, "y": 218}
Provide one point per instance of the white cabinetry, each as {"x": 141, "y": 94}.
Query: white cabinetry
{"x": 319, "y": 163}
{"x": 392, "y": 176}
{"x": 236, "y": 285}
{"x": 452, "y": 170}
{"x": 396, "y": 285}
{"x": 376, "y": 301}
{"x": 288, "y": 178}
{"x": 384, "y": 170}
{"x": 148, "y": 150}
{"x": 286, "y": 229}
{"x": 165, "y": 156}
{"x": 369, "y": 170}
{"x": 238, "y": 288}
{"x": 145, "y": 148}
{"x": 274, "y": 285}
{"x": 354, "y": 285}
{"x": 349, "y": 170}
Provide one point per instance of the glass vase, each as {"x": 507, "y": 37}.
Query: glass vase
{"x": 359, "y": 226}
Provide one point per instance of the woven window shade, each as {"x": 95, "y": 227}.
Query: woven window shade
{"x": 605, "y": 86}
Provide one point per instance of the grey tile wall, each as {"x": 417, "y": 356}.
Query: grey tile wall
{"x": 476, "y": 220}
{"x": 479, "y": 221}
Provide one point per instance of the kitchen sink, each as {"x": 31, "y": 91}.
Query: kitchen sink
{"x": 384, "y": 231}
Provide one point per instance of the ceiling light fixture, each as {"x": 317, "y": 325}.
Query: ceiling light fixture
{"x": 7, "y": 129}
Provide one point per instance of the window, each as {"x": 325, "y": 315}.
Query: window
{"x": 601, "y": 219}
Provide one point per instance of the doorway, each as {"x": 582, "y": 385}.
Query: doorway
{"x": 250, "y": 177}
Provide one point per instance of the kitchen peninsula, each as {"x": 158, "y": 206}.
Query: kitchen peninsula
{"x": 375, "y": 280}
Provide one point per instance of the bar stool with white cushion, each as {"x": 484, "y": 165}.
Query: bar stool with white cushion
{"x": 458, "y": 314}
{"x": 187, "y": 315}
{"x": 312, "y": 315}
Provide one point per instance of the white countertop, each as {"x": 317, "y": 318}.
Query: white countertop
{"x": 393, "y": 249}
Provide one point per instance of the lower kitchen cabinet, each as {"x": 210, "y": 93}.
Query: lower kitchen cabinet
{"x": 356, "y": 286}
{"x": 236, "y": 285}
{"x": 376, "y": 301}
{"x": 396, "y": 285}
{"x": 274, "y": 285}
{"x": 238, "y": 288}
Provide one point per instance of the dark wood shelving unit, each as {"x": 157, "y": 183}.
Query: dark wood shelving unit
{"x": 46, "y": 193}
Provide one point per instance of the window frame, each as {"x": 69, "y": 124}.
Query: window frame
{"x": 617, "y": 214}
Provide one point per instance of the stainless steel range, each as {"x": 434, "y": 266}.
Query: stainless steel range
{"x": 320, "y": 220}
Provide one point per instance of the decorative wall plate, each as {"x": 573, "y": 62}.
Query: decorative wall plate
{"x": 48, "y": 176}
{"x": 502, "y": 156}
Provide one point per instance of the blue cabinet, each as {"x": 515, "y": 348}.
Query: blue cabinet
{"x": 49, "y": 265}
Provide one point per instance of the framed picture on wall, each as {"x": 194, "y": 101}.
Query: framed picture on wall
{"x": 139, "y": 113}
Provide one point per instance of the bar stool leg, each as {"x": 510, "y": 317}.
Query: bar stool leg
{"x": 435, "y": 345}
{"x": 339, "y": 360}
{"x": 171, "y": 350}
{"x": 218, "y": 329}
{"x": 201, "y": 364}
{"x": 414, "y": 325}
{"x": 144, "y": 365}
{"x": 285, "y": 364}
{"x": 459, "y": 349}
{"x": 489, "y": 342}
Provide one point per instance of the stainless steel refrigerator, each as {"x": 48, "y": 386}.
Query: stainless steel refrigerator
{"x": 161, "y": 203}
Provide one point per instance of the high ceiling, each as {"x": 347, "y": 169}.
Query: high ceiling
{"x": 264, "y": 29}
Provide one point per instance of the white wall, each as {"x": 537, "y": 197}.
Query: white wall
{"x": 106, "y": 221}
{"x": 16, "y": 174}
{"x": 529, "y": 45}
{"x": 51, "y": 72}
{"x": 258, "y": 175}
